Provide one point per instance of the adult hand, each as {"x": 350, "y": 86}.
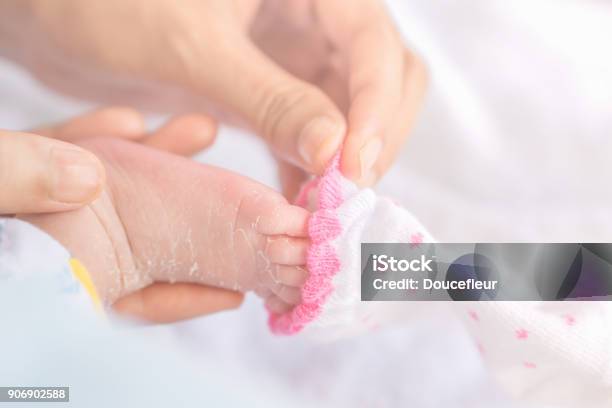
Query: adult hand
{"x": 172, "y": 302}
{"x": 306, "y": 75}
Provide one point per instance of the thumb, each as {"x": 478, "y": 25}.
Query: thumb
{"x": 297, "y": 119}
{"x": 38, "y": 174}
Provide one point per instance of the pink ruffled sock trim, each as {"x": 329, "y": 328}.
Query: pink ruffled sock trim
{"x": 322, "y": 261}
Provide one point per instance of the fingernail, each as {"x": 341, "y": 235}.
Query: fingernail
{"x": 369, "y": 180}
{"x": 314, "y": 136}
{"x": 75, "y": 176}
{"x": 368, "y": 156}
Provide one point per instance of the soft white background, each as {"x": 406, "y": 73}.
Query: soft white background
{"x": 513, "y": 145}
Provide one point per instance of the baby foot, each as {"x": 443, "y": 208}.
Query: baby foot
{"x": 165, "y": 218}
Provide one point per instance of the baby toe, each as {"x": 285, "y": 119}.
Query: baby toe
{"x": 287, "y": 250}
{"x": 276, "y": 305}
{"x": 263, "y": 292}
{"x": 294, "y": 276}
{"x": 284, "y": 219}
{"x": 288, "y": 294}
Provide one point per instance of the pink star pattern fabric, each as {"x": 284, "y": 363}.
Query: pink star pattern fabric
{"x": 567, "y": 346}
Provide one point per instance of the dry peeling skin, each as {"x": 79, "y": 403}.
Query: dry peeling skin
{"x": 165, "y": 218}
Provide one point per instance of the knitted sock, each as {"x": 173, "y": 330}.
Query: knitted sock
{"x": 343, "y": 217}
{"x": 565, "y": 348}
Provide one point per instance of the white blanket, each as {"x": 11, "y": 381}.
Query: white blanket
{"x": 513, "y": 145}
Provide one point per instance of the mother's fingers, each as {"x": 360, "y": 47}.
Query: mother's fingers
{"x": 291, "y": 178}
{"x": 378, "y": 72}
{"x": 300, "y": 123}
{"x": 414, "y": 86}
{"x": 167, "y": 302}
{"x": 38, "y": 174}
{"x": 184, "y": 134}
{"x": 121, "y": 122}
